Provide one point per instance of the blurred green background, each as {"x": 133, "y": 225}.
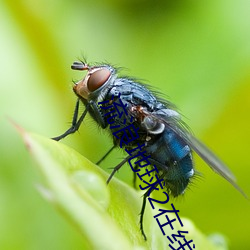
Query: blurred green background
{"x": 196, "y": 52}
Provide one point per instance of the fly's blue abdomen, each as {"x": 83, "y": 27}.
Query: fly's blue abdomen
{"x": 175, "y": 161}
{"x": 178, "y": 175}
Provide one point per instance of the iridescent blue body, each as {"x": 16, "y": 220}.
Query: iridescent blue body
{"x": 160, "y": 129}
{"x": 169, "y": 152}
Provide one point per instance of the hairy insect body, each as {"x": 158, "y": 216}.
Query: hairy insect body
{"x": 147, "y": 127}
{"x": 170, "y": 154}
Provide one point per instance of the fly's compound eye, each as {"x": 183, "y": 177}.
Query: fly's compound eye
{"x": 97, "y": 79}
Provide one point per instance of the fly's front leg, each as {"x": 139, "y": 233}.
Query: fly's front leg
{"x": 97, "y": 114}
{"x": 75, "y": 123}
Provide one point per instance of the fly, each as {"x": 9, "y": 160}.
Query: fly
{"x": 161, "y": 131}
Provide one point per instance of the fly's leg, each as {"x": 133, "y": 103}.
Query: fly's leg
{"x": 105, "y": 155}
{"x": 75, "y": 124}
{"x": 98, "y": 114}
{"x": 142, "y": 214}
{"x": 117, "y": 168}
{"x": 134, "y": 176}
{"x": 145, "y": 195}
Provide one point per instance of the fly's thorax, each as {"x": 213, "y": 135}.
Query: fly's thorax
{"x": 93, "y": 85}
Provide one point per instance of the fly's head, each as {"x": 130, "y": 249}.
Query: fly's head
{"x": 95, "y": 80}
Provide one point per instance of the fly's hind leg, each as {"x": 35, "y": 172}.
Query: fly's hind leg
{"x": 142, "y": 214}
{"x": 105, "y": 155}
{"x": 117, "y": 168}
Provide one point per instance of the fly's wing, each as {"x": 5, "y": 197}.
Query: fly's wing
{"x": 212, "y": 160}
{"x": 174, "y": 123}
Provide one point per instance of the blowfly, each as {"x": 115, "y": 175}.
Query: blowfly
{"x": 161, "y": 134}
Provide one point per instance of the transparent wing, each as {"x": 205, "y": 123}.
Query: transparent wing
{"x": 175, "y": 124}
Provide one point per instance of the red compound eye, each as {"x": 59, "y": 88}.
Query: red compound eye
{"x": 97, "y": 79}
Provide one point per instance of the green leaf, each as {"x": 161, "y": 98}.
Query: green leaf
{"x": 106, "y": 215}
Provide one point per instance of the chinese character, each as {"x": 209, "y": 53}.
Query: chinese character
{"x": 142, "y": 161}
{"x": 181, "y": 245}
{"x": 152, "y": 186}
{"x": 120, "y": 108}
{"x": 169, "y": 222}
{"x": 128, "y": 134}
